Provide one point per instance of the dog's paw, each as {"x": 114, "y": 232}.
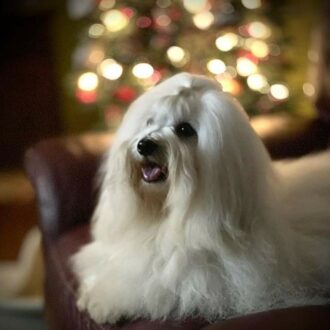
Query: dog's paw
{"x": 96, "y": 304}
{"x": 99, "y": 311}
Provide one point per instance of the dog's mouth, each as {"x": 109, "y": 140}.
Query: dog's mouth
{"x": 153, "y": 172}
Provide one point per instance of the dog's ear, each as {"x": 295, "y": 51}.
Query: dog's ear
{"x": 233, "y": 161}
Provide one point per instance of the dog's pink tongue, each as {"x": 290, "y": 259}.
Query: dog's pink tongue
{"x": 151, "y": 173}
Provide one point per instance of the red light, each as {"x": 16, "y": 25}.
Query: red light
{"x": 86, "y": 97}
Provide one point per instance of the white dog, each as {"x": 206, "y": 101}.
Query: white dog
{"x": 195, "y": 220}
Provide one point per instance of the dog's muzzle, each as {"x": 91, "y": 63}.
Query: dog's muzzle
{"x": 151, "y": 171}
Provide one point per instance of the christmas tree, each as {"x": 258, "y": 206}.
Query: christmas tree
{"x": 129, "y": 46}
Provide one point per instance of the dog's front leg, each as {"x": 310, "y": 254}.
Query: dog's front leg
{"x": 108, "y": 291}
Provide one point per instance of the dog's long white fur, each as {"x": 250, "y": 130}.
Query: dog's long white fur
{"x": 229, "y": 232}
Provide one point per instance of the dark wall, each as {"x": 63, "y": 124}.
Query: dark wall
{"x": 28, "y": 89}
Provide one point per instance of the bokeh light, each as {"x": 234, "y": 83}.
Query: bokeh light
{"x": 279, "y": 91}
{"x": 143, "y": 70}
{"x": 110, "y": 69}
{"x": 88, "y": 81}
{"x": 227, "y": 42}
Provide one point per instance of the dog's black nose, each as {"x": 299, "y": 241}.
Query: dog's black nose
{"x": 146, "y": 147}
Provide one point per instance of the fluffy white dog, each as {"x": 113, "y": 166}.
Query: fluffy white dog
{"x": 194, "y": 218}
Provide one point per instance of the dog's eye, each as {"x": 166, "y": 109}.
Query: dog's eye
{"x": 184, "y": 130}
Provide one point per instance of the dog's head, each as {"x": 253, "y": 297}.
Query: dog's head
{"x": 185, "y": 142}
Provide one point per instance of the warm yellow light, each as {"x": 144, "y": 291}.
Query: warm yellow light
{"x": 114, "y": 20}
{"x": 308, "y": 89}
{"x": 106, "y": 4}
{"x": 279, "y": 91}
{"x": 227, "y": 42}
{"x": 216, "y": 66}
{"x": 163, "y": 3}
{"x": 251, "y": 4}
{"x": 96, "y": 30}
{"x": 257, "y": 82}
{"x": 95, "y": 56}
{"x": 245, "y": 67}
{"x": 88, "y": 81}
{"x": 163, "y": 20}
{"x": 195, "y": 6}
{"x": 143, "y": 70}
{"x": 259, "y": 48}
{"x": 203, "y": 20}
{"x": 259, "y": 30}
{"x": 229, "y": 85}
{"x": 176, "y": 54}
{"x": 110, "y": 69}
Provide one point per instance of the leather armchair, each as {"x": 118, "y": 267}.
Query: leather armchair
{"x": 62, "y": 172}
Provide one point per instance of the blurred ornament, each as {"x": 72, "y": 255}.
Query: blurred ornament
{"x": 163, "y": 20}
{"x": 308, "y": 89}
{"x": 94, "y": 57}
{"x": 258, "y": 82}
{"x": 156, "y": 77}
{"x": 128, "y": 12}
{"x": 258, "y": 47}
{"x": 86, "y": 97}
{"x": 226, "y": 42}
{"x": 96, "y": 30}
{"x": 279, "y": 92}
{"x": 88, "y": 81}
{"x": 244, "y": 31}
{"x": 125, "y": 94}
{"x": 143, "y": 70}
{"x": 110, "y": 69}
{"x": 203, "y": 20}
{"x": 196, "y": 6}
{"x": 149, "y": 82}
{"x": 216, "y": 66}
{"x": 144, "y": 22}
{"x": 175, "y": 14}
{"x": 259, "y": 30}
{"x": 229, "y": 85}
{"x": 245, "y": 66}
{"x": 163, "y": 3}
{"x": 251, "y": 4}
{"x": 177, "y": 56}
{"x": 106, "y": 4}
{"x": 114, "y": 20}
{"x": 78, "y": 9}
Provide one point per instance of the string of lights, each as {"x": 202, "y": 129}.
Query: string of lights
{"x": 129, "y": 46}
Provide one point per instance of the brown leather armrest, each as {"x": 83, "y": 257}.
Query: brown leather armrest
{"x": 62, "y": 172}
